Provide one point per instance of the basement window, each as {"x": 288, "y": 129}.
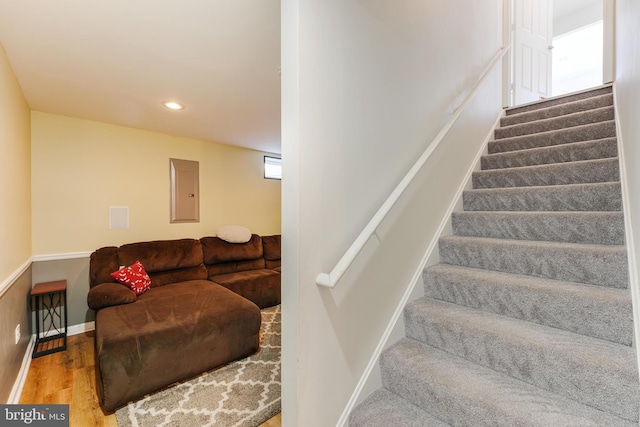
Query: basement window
{"x": 272, "y": 167}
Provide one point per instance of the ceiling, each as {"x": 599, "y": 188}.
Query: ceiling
{"x": 116, "y": 61}
{"x": 566, "y": 7}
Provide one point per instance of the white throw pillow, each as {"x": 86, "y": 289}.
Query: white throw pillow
{"x": 234, "y": 233}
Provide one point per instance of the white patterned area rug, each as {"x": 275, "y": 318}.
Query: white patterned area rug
{"x": 244, "y": 393}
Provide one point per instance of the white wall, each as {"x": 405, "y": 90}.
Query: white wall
{"x": 627, "y": 107}
{"x": 575, "y": 14}
{"x": 366, "y": 85}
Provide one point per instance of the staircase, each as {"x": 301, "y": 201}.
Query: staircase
{"x": 527, "y": 320}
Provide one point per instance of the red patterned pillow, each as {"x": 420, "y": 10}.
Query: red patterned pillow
{"x": 134, "y": 276}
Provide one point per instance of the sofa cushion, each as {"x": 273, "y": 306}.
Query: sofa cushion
{"x": 235, "y": 267}
{"x": 260, "y": 286}
{"x": 234, "y": 233}
{"x": 166, "y": 261}
{"x": 133, "y": 276}
{"x": 170, "y": 334}
{"x": 108, "y": 294}
{"x": 161, "y": 255}
{"x": 217, "y": 251}
{"x": 102, "y": 263}
{"x": 271, "y": 246}
{"x": 162, "y": 278}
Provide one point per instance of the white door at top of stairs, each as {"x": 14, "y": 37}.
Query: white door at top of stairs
{"x": 532, "y": 38}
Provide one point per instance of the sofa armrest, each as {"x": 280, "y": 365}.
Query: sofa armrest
{"x": 108, "y": 294}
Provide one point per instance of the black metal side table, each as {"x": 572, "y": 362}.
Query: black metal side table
{"x": 51, "y": 329}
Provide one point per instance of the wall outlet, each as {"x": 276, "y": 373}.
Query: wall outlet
{"x": 17, "y": 333}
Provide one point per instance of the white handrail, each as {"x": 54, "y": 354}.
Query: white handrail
{"x": 331, "y": 279}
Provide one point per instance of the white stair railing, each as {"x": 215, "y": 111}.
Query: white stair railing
{"x": 331, "y": 279}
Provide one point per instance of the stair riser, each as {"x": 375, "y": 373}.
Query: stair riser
{"x": 560, "y": 110}
{"x": 604, "y": 266}
{"x": 591, "y": 197}
{"x": 593, "y": 311}
{"x": 559, "y": 101}
{"x": 553, "y": 362}
{"x": 386, "y": 409}
{"x": 590, "y": 228}
{"x": 574, "y": 152}
{"x": 464, "y": 394}
{"x": 546, "y": 125}
{"x": 604, "y": 170}
{"x": 557, "y": 137}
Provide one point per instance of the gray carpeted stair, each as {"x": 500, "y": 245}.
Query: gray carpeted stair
{"x": 582, "y": 172}
{"x": 593, "y": 372}
{"x": 574, "y": 197}
{"x": 572, "y": 152}
{"x": 600, "y": 228}
{"x": 561, "y": 100}
{"x": 555, "y": 123}
{"x": 527, "y": 320}
{"x": 463, "y": 393}
{"x": 558, "y": 110}
{"x": 604, "y": 265}
{"x": 596, "y": 311}
{"x": 554, "y": 137}
{"x": 397, "y": 411}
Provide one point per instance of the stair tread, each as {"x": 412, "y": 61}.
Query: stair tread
{"x": 463, "y": 393}
{"x": 580, "y": 172}
{"x": 567, "y": 197}
{"x": 588, "y": 132}
{"x": 559, "y": 110}
{"x": 570, "y": 152}
{"x": 602, "y": 227}
{"x": 603, "y": 265}
{"x": 559, "y": 100}
{"x": 529, "y": 243}
{"x": 605, "y": 354}
{"x": 599, "y": 373}
{"x": 566, "y": 121}
{"x": 386, "y": 409}
{"x": 555, "y": 303}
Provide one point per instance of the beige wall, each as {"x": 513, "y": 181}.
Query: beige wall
{"x": 15, "y": 225}
{"x": 81, "y": 168}
{"x": 15, "y": 172}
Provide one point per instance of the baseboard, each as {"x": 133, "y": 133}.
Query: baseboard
{"x": 628, "y": 227}
{"x": 414, "y": 280}
{"x": 18, "y": 385}
{"x": 16, "y": 391}
{"x": 81, "y": 328}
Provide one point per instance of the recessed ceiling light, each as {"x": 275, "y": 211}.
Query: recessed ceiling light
{"x": 172, "y": 105}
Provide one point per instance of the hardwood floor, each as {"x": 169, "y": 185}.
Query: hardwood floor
{"x": 70, "y": 377}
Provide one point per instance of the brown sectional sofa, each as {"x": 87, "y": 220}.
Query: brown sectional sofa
{"x": 202, "y": 311}
{"x": 242, "y": 269}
